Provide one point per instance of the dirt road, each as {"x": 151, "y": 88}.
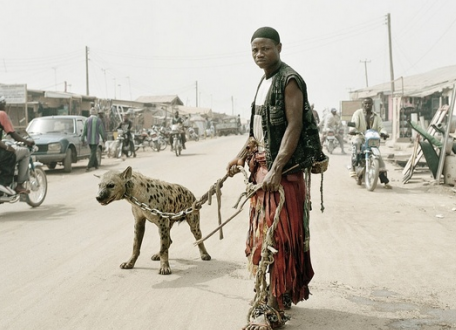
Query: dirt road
{"x": 382, "y": 260}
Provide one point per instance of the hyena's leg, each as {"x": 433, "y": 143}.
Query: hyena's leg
{"x": 193, "y": 221}
{"x": 140, "y": 227}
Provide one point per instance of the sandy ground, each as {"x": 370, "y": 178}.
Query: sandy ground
{"x": 382, "y": 260}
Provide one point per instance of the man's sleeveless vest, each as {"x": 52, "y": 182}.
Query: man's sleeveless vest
{"x": 274, "y": 123}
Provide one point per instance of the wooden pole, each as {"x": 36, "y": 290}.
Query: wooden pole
{"x": 445, "y": 138}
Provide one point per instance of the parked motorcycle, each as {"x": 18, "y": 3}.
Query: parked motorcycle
{"x": 37, "y": 184}
{"x": 176, "y": 131}
{"x": 367, "y": 159}
{"x": 155, "y": 140}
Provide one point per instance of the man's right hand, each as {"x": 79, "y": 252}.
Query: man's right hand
{"x": 232, "y": 166}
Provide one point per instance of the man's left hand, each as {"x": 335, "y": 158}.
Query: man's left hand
{"x": 271, "y": 181}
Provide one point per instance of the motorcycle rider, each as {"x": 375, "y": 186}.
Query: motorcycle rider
{"x": 177, "y": 120}
{"x": 9, "y": 155}
{"x": 364, "y": 119}
{"x": 126, "y": 125}
{"x": 333, "y": 122}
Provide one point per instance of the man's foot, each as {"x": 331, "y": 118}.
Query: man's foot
{"x": 286, "y": 300}
{"x": 387, "y": 186}
{"x": 268, "y": 320}
{"x": 7, "y": 190}
{"x": 87, "y": 169}
{"x": 183, "y": 147}
{"x": 21, "y": 189}
{"x": 343, "y": 152}
{"x": 352, "y": 174}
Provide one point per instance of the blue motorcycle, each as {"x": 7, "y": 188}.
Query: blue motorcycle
{"x": 367, "y": 159}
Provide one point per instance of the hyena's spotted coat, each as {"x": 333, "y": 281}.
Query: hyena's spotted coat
{"x": 160, "y": 195}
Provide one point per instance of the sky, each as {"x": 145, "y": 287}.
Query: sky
{"x": 200, "y": 49}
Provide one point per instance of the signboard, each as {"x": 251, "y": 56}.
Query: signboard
{"x": 14, "y": 94}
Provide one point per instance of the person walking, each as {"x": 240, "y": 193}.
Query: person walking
{"x": 93, "y": 130}
{"x": 283, "y": 144}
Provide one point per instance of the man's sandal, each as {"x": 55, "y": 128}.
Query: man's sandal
{"x": 286, "y": 298}
{"x": 273, "y": 319}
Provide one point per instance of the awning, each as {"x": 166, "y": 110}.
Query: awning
{"x": 61, "y": 95}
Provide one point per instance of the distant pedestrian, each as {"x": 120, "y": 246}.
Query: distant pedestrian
{"x": 93, "y": 130}
{"x": 315, "y": 114}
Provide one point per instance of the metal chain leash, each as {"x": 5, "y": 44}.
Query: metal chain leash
{"x": 166, "y": 215}
{"x": 214, "y": 189}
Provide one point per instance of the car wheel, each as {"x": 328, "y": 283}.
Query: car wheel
{"x": 67, "y": 162}
{"x": 52, "y": 165}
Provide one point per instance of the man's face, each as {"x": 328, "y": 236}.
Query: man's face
{"x": 265, "y": 52}
{"x": 367, "y": 104}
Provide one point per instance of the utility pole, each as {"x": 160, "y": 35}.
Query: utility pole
{"x": 87, "y": 70}
{"x": 197, "y": 93}
{"x": 55, "y": 76}
{"x": 106, "y": 83}
{"x": 129, "y": 86}
{"x": 388, "y": 18}
{"x": 365, "y": 70}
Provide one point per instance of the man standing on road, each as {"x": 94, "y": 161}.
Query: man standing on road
{"x": 283, "y": 142}
{"x": 315, "y": 114}
{"x": 363, "y": 120}
{"x": 9, "y": 155}
{"x": 93, "y": 130}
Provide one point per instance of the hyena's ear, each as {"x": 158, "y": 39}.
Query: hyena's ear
{"x": 127, "y": 173}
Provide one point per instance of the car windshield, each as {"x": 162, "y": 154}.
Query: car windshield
{"x": 51, "y": 125}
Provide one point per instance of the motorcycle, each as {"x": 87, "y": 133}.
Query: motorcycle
{"x": 37, "y": 184}
{"x": 332, "y": 139}
{"x": 123, "y": 145}
{"x": 331, "y": 142}
{"x": 156, "y": 142}
{"x": 192, "y": 134}
{"x": 367, "y": 159}
{"x": 147, "y": 138}
{"x": 176, "y": 131}
{"x": 163, "y": 137}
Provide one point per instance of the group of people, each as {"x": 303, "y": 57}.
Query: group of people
{"x": 363, "y": 119}
{"x": 95, "y": 129}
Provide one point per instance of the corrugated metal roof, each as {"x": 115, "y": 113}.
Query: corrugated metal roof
{"x": 167, "y": 99}
{"x": 418, "y": 85}
{"x": 193, "y": 110}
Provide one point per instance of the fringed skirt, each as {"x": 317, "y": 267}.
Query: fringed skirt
{"x": 292, "y": 270}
